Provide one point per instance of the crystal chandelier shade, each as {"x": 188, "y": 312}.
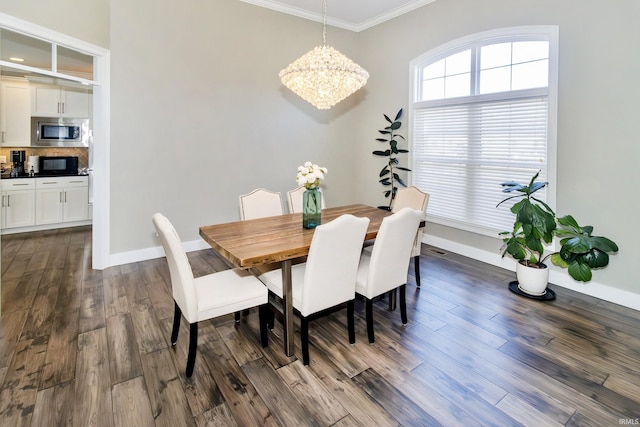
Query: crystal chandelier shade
{"x": 323, "y": 76}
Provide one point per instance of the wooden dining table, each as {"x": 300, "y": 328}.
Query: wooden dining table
{"x": 279, "y": 239}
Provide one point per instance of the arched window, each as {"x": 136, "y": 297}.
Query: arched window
{"x": 483, "y": 111}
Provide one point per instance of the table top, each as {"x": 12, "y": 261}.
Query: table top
{"x": 277, "y": 238}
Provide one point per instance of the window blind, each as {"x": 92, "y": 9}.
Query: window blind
{"x": 462, "y": 152}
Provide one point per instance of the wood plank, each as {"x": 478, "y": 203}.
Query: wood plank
{"x": 93, "y": 404}
{"x": 220, "y": 416}
{"x": 10, "y": 328}
{"x": 40, "y": 319}
{"x": 393, "y": 400}
{"x": 246, "y": 405}
{"x": 135, "y": 286}
{"x": 123, "y": 350}
{"x": 281, "y": 401}
{"x": 524, "y": 413}
{"x": 169, "y": 406}
{"x": 60, "y": 363}
{"x": 148, "y": 332}
{"x": 115, "y": 295}
{"x": 19, "y": 390}
{"x": 54, "y": 406}
{"x": 354, "y": 399}
{"x": 201, "y": 390}
{"x": 312, "y": 393}
{"x": 92, "y": 312}
{"x": 18, "y": 294}
{"x": 131, "y": 406}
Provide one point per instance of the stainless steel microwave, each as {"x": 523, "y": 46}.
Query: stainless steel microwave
{"x": 59, "y": 132}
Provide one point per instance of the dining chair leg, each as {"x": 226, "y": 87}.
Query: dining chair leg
{"x": 369, "y": 315}
{"x": 193, "y": 344}
{"x": 237, "y": 316}
{"x": 351, "y": 322}
{"x": 263, "y": 316}
{"x": 403, "y": 303}
{"x": 271, "y": 317}
{"x": 392, "y": 299}
{"x": 177, "y": 314}
{"x": 416, "y": 263}
{"x": 304, "y": 335}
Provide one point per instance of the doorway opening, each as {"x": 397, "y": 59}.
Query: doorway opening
{"x": 61, "y": 65}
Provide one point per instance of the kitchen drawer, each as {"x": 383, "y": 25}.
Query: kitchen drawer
{"x": 10, "y": 184}
{"x": 62, "y": 182}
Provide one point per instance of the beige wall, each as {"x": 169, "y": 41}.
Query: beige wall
{"x": 598, "y": 132}
{"x": 87, "y": 20}
{"x": 199, "y": 115}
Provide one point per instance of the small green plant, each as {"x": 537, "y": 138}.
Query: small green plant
{"x": 388, "y": 175}
{"x": 536, "y": 225}
{"x": 579, "y": 250}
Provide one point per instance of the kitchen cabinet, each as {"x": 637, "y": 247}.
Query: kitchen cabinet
{"x": 15, "y": 112}
{"x": 59, "y": 101}
{"x": 18, "y": 203}
{"x": 62, "y": 199}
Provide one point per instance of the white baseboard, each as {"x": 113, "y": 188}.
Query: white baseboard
{"x": 559, "y": 278}
{"x": 152, "y": 253}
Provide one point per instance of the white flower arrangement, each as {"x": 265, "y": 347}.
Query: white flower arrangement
{"x": 310, "y": 175}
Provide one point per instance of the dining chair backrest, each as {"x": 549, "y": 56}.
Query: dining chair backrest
{"x": 391, "y": 251}
{"x": 260, "y": 203}
{"x": 332, "y": 263}
{"x": 182, "y": 281}
{"x": 294, "y": 199}
{"x": 412, "y": 197}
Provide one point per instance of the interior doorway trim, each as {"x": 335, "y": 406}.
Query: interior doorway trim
{"x": 101, "y": 242}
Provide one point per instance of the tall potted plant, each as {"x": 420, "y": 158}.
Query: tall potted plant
{"x": 388, "y": 175}
{"x": 535, "y": 225}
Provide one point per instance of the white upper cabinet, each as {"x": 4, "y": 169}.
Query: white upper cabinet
{"x": 15, "y": 112}
{"x": 59, "y": 101}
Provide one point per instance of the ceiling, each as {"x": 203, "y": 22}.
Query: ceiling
{"x": 353, "y": 15}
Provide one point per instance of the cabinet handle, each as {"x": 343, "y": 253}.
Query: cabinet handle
{"x": 47, "y": 183}
{"x": 8, "y": 200}
{"x": 3, "y": 200}
{"x": 62, "y": 107}
{"x": 65, "y": 197}
{"x": 2, "y": 136}
{"x": 16, "y": 185}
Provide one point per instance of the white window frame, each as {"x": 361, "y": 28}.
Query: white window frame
{"x": 548, "y": 33}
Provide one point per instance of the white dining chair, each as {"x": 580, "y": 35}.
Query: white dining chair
{"x": 385, "y": 267}
{"x": 413, "y": 198}
{"x": 209, "y": 296}
{"x": 328, "y": 278}
{"x": 260, "y": 203}
{"x": 294, "y": 199}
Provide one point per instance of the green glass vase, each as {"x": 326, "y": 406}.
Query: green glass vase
{"x": 311, "y": 208}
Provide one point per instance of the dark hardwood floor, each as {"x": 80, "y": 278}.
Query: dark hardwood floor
{"x": 84, "y": 347}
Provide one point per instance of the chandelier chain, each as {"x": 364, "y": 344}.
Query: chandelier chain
{"x": 324, "y": 22}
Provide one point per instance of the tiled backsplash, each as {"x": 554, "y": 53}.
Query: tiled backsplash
{"x": 82, "y": 153}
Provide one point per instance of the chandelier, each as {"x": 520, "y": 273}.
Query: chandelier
{"x": 323, "y": 76}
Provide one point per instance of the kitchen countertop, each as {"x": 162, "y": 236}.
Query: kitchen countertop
{"x": 7, "y": 176}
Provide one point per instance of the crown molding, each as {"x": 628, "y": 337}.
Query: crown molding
{"x": 339, "y": 23}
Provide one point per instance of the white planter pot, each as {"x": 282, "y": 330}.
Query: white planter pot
{"x": 531, "y": 280}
